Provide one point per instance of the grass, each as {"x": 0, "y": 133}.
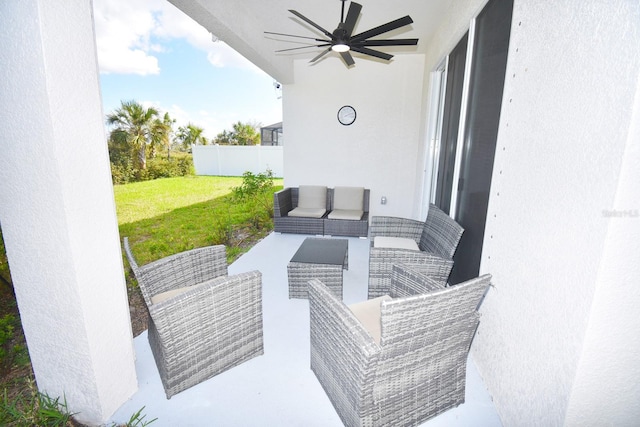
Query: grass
{"x": 148, "y": 199}
{"x": 167, "y": 216}
{"x": 161, "y": 217}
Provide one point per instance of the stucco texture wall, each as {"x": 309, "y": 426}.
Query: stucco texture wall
{"x": 378, "y": 151}
{"x": 57, "y": 208}
{"x": 564, "y": 140}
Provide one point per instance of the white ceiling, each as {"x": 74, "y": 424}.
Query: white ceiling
{"x": 242, "y": 24}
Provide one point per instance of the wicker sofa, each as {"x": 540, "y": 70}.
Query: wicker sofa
{"x": 341, "y": 215}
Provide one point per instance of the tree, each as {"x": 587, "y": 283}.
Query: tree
{"x": 133, "y": 128}
{"x": 246, "y": 134}
{"x": 161, "y": 134}
{"x": 224, "y": 138}
{"x": 242, "y": 134}
{"x": 190, "y": 135}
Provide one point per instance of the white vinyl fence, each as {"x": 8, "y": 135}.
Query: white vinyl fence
{"x": 227, "y": 160}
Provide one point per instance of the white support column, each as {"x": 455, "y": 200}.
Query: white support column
{"x": 57, "y": 208}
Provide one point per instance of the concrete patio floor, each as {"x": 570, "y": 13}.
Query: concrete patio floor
{"x": 277, "y": 388}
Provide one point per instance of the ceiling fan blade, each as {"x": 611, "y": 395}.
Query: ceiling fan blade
{"x": 303, "y": 47}
{"x": 384, "y": 28}
{"x": 347, "y": 58}
{"x": 310, "y": 22}
{"x": 323, "y": 53}
{"x": 389, "y": 42}
{"x": 293, "y": 35}
{"x": 372, "y": 52}
{"x": 352, "y": 17}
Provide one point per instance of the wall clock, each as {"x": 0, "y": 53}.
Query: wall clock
{"x": 346, "y": 115}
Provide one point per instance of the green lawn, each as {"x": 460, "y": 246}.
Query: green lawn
{"x": 170, "y": 215}
{"x": 166, "y": 216}
{"x": 147, "y": 199}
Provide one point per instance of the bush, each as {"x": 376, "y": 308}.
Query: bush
{"x": 257, "y": 192}
{"x": 222, "y": 231}
{"x": 168, "y": 168}
{"x": 181, "y": 164}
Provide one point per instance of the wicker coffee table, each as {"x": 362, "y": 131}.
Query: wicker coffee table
{"x": 317, "y": 258}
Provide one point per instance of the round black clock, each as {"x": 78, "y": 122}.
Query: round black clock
{"x": 346, "y": 115}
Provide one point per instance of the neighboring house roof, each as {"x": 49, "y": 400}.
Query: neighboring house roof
{"x": 273, "y": 126}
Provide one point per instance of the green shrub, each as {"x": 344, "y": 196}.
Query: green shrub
{"x": 161, "y": 167}
{"x": 123, "y": 172}
{"x": 256, "y": 192}
{"x": 222, "y": 230}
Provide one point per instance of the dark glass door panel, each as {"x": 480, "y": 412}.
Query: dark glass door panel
{"x": 450, "y": 123}
{"x": 492, "y": 32}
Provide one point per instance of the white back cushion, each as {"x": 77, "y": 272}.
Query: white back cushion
{"x": 312, "y": 197}
{"x": 348, "y": 198}
{"x": 368, "y": 313}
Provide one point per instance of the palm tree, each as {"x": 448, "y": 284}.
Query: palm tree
{"x": 191, "y": 134}
{"x": 224, "y": 138}
{"x": 161, "y": 133}
{"x": 133, "y": 126}
{"x": 245, "y": 134}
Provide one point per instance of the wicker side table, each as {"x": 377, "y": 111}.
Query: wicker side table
{"x": 318, "y": 258}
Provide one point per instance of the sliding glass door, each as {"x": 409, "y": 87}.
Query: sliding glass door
{"x": 470, "y": 130}
{"x": 450, "y": 121}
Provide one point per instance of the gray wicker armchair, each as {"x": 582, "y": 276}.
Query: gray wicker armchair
{"x": 413, "y": 367}
{"x": 435, "y": 241}
{"x": 202, "y": 321}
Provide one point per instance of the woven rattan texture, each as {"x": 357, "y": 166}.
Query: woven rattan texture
{"x": 206, "y": 330}
{"x": 419, "y": 368}
{"x": 176, "y": 271}
{"x": 353, "y": 228}
{"x": 287, "y": 199}
{"x": 299, "y": 274}
{"x": 444, "y": 233}
{"x": 440, "y": 234}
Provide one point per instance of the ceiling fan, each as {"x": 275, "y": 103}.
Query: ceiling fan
{"x": 342, "y": 41}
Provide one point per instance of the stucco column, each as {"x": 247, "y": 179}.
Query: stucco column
{"x": 57, "y": 208}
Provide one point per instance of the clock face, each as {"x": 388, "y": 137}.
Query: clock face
{"x": 347, "y": 115}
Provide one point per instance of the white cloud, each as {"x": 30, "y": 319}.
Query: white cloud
{"x": 123, "y": 30}
{"x": 129, "y": 33}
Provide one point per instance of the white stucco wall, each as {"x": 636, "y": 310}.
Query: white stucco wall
{"x": 379, "y": 150}
{"x": 558, "y": 340}
{"x": 606, "y": 389}
{"x": 57, "y": 207}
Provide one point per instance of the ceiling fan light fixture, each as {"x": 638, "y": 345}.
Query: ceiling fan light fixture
{"x": 340, "y": 47}
{"x": 342, "y": 40}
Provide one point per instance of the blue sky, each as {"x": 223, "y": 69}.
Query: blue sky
{"x": 151, "y": 52}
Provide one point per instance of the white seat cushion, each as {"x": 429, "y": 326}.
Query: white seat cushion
{"x": 163, "y": 296}
{"x": 348, "y": 198}
{"x": 368, "y": 314}
{"x": 312, "y": 197}
{"x": 307, "y": 212}
{"x": 395, "y": 243}
{"x": 346, "y": 214}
